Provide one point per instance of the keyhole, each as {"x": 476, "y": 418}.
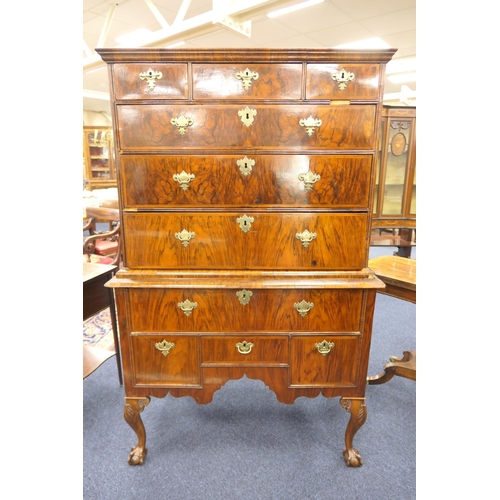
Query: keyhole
{"x": 248, "y": 116}
{"x": 342, "y": 75}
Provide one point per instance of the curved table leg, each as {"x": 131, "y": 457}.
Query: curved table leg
{"x": 357, "y": 408}
{"x": 404, "y": 367}
{"x": 131, "y": 412}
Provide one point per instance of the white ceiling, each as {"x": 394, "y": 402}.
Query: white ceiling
{"x": 327, "y": 24}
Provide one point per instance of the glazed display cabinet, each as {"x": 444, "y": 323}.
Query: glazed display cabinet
{"x": 245, "y": 187}
{"x": 394, "y": 207}
{"x": 98, "y": 152}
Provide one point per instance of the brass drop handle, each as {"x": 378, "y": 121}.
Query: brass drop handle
{"x": 306, "y": 237}
{"x": 309, "y": 179}
{"x": 303, "y": 307}
{"x": 183, "y": 179}
{"x": 244, "y": 347}
{"x": 324, "y": 347}
{"x": 185, "y": 237}
{"x": 187, "y": 306}
{"x": 310, "y": 123}
{"x": 164, "y": 347}
{"x": 182, "y": 123}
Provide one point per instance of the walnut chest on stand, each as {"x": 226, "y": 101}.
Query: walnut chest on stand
{"x": 245, "y": 181}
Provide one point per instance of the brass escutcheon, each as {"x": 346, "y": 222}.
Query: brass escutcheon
{"x": 246, "y": 77}
{"x": 185, "y": 237}
{"x": 309, "y": 124}
{"x": 182, "y": 123}
{"x": 247, "y": 115}
{"x": 244, "y": 296}
{"x": 244, "y": 347}
{"x": 164, "y": 347}
{"x": 306, "y": 237}
{"x": 245, "y": 223}
{"x": 245, "y": 165}
{"x": 187, "y": 306}
{"x": 309, "y": 179}
{"x": 303, "y": 307}
{"x": 183, "y": 179}
{"x": 324, "y": 347}
{"x": 342, "y": 77}
{"x": 151, "y": 76}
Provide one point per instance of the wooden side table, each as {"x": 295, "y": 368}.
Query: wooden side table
{"x": 400, "y": 277}
{"x": 97, "y": 297}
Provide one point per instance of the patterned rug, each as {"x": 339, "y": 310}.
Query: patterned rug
{"x": 97, "y": 331}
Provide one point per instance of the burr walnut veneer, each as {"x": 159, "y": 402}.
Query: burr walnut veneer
{"x": 246, "y": 183}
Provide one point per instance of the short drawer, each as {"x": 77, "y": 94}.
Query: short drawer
{"x": 247, "y": 81}
{"x": 326, "y": 181}
{"x": 324, "y": 360}
{"x": 246, "y": 240}
{"x": 165, "y": 360}
{"x": 150, "y": 81}
{"x": 245, "y": 310}
{"x": 244, "y": 350}
{"x": 343, "y": 81}
{"x": 267, "y": 127}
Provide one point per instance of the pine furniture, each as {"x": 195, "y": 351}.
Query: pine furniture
{"x": 245, "y": 184}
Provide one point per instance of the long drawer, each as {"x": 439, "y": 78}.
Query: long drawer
{"x": 238, "y": 240}
{"x": 267, "y": 127}
{"x": 242, "y": 310}
{"x": 247, "y": 180}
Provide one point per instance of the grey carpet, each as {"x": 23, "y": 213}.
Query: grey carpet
{"x": 247, "y": 445}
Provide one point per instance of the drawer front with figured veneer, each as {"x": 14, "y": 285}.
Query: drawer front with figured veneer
{"x": 150, "y": 81}
{"x": 342, "y": 81}
{"x": 245, "y": 310}
{"x": 324, "y": 361}
{"x": 165, "y": 359}
{"x": 245, "y": 240}
{"x": 266, "y": 350}
{"x": 267, "y": 127}
{"x": 247, "y": 81}
{"x": 326, "y": 181}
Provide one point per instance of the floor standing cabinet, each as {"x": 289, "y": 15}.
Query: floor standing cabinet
{"x": 246, "y": 182}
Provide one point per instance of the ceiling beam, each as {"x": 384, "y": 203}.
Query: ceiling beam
{"x": 107, "y": 24}
{"x": 198, "y": 25}
{"x": 161, "y": 20}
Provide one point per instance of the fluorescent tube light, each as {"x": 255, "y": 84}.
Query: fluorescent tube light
{"x": 293, "y": 8}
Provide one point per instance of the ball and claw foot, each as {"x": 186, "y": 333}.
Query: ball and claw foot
{"x": 137, "y": 455}
{"x": 353, "y": 458}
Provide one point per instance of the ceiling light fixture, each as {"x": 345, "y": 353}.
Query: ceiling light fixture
{"x": 293, "y": 8}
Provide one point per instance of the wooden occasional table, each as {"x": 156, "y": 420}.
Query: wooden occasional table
{"x": 97, "y": 297}
{"x": 400, "y": 276}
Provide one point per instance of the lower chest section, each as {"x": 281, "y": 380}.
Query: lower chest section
{"x": 193, "y": 338}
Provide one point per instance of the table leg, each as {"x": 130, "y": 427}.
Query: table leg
{"x": 357, "y": 408}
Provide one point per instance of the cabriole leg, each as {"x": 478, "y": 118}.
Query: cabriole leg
{"x": 131, "y": 412}
{"x": 357, "y": 408}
